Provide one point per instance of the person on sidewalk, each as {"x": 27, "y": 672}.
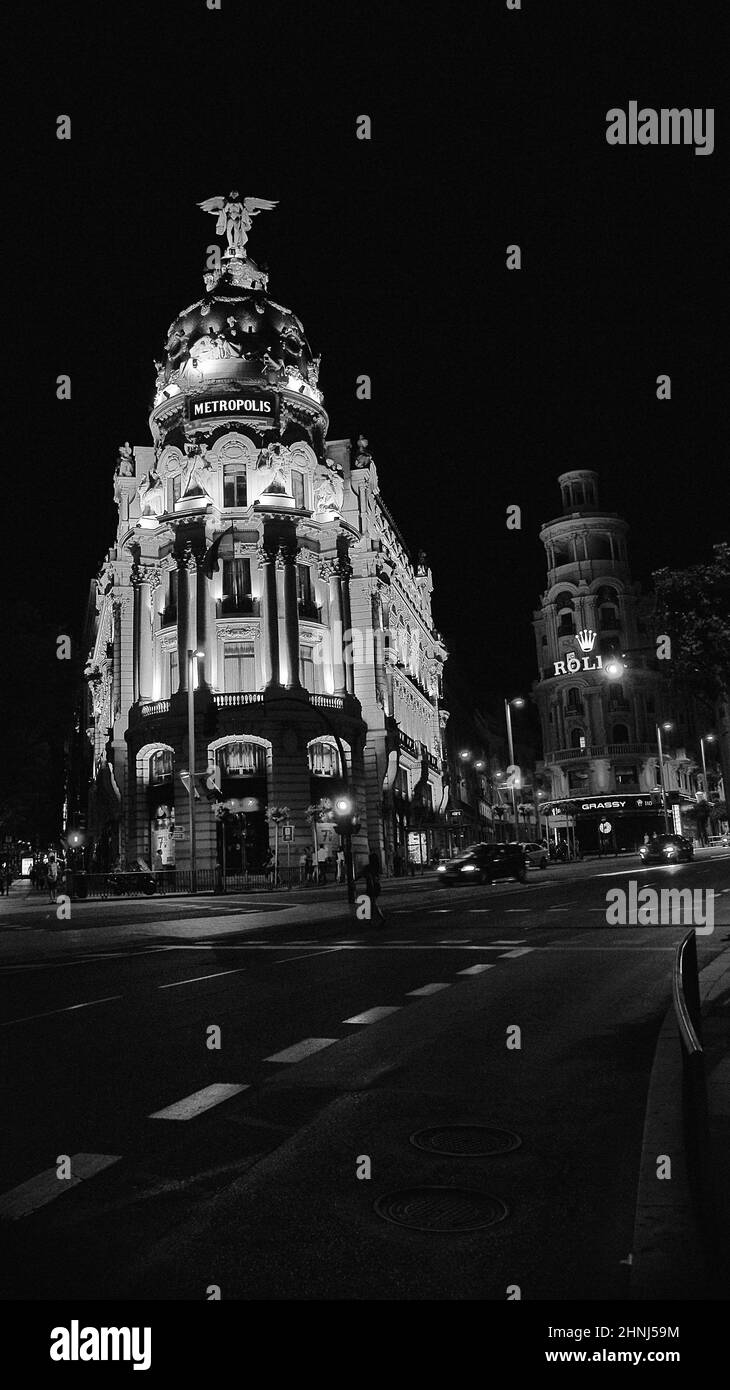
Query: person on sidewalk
{"x": 52, "y": 879}
{"x": 160, "y": 872}
{"x": 340, "y": 866}
{"x": 322, "y": 859}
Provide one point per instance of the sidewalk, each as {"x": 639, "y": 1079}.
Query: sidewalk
{"x": 676, "y": 1255}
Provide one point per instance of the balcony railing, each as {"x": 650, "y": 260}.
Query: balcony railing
{"x": 601, "y": 750}
{"x": 328, "y": 701}
{"x": 155, "y": 707}
{"x": 239, "y": 697}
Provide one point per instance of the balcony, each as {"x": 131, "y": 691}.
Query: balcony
{"x": 601, "y": 750}
{"x": 239, "y": 697}
{"x": 154, "y": 707}
{"x": 243, "y": 607}
{"x": 309, "y": 611}
{"x": 328, "y": 701}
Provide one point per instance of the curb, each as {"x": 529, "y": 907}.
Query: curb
{"x": 670, "y": 1259}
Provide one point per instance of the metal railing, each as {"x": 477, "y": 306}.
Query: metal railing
{"x": 154, "y": 707}
{"x": 241, "y": 697}
{"x": 601, "y": 750}
{"x": 138, "y": 883}
{"x": 687, "y": 1009}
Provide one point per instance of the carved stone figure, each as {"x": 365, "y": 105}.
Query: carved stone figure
{"x": 328, "y": 493}
{"x": 125, "y": 460}
{"x": 363, "y": 459}
{"x": 197, "y": 473}
{"x": 152, "y": 495}
{"x": 234, "y": 219}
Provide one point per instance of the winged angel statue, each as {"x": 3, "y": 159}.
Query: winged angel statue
{"x": 234, "y": 218}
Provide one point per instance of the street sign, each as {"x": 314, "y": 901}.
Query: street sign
{"x": 605, "y": 827}
{"x": 287, "y": 833}
{"x": 180, "y": 832}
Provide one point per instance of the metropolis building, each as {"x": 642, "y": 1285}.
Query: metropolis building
{"x": 255, "y": 561}
{"x": 599, "y": 735}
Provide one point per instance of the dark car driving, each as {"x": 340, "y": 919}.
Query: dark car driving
{"x": 484, "y": 863}
{"x": 667, "y": 849}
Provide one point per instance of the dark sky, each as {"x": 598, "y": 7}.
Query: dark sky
{"x": 488, "y": 128}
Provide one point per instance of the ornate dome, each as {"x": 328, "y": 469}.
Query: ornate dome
{"x": 237, "y": 325}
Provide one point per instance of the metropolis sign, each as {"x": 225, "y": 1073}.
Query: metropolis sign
{"x": 259, "y": 405}
{"x": 572, "y": 664}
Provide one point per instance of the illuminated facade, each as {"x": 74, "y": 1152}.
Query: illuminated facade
{"x": 247, "y": 537}
{"x": 599, "y": 734}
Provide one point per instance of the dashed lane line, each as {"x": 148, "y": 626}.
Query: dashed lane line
{"x": 374, "y": 1015}
{"x": 194, "y": 979}
{"x": 515, "y": 941}
{"x": 68, "y": 1009}
{"x": 475, "y": 969}
{"x": 520, "y": 951}
{"x": 46, "y": 1186}
{"x": 198, "y": 1101}
{"x": 430, "y": 989}
{"x": 452, "y": 941}
{"x": 298, "y": 1051}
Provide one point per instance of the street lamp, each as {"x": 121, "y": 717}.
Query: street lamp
{"x": 666, "y": 725}
{"x": 193, "y": 657}
{"x": 706, "y": 738}
{"x": 518, "y": 702}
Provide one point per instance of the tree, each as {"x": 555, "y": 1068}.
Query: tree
{"x": 693, "y": 608}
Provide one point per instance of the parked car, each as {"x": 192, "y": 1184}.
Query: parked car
{"x": 535, "y": 853}
{"x": 667, "y": 849}
{"x": 484, "y": 863}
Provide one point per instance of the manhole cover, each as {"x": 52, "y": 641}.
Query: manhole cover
{"x": 466, "y": 1141}
{"x": 440, "y": 1209}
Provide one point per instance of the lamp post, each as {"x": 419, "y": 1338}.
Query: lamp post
{"x": 193, "y": 657}
{"x": 659, "y": 728}
{"x": 518, "y": 702}
{"x": 706, "y": 738}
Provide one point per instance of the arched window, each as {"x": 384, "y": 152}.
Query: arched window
{"x": 564, "y": 606}
{"x": 324, "y": 758}
{"x": 598, "y": 547}
{"x": 607, "y": 607}
{"x": 619, "y": 734}
{"x": 161, "y": 766}
{"x": 574, "y": 702}
{"x": 242, "y": 759}
{"x": 577, "y": 738}
{"x": 577, "y": 494}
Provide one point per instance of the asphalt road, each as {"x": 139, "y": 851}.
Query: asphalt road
{"x": 338, "y": 1043}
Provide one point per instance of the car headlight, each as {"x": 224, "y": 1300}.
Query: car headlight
{"x": 468, "y": 868}
{"x": 441, "y": 869}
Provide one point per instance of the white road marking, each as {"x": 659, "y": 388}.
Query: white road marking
{"x": 69, "y": 1009}
{"x": 513, "y": 941}
{"x": 475, "y": 969}
{"x": 521, "y": 951}
{"x": 429, "y": 989}
{"x": 479, "y": 909}
{"x": 328, "y": 951}
{"x": 300, "y": 1050}
{"x": 46, "y": 1186}
{"x": 199, "y": 1101}
{"x": 518, "y": 909}
{"x": 195, "y": 978}
{"x": 373, "y": 1015}
{"x": 454, "y": 941}
{"x": 434, "y": 910}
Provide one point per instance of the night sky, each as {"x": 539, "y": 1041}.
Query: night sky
{"x": 488, "y": 129}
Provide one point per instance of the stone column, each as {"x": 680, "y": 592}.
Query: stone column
{"x": 202, "y": 642}
{"x": 288, "y": 560}
{"x": 148, "y": 587}
{"x": 336, "y": 631}
{"x": 328, "y": 675}
{"x": 349, "y": 658}
{"x": 269, "y": 614}
{"x": 183, "y": 626}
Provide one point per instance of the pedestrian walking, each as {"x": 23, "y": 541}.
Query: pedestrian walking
{"x": 160, "y": 872}
{"x": 308, "y": 867}
{"x": 3, "y": 880}
{"x": 322, "y": 858}
{"x": 52, "y": 879}
{"x": 340, "y": 866}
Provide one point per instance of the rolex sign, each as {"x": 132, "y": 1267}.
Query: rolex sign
{"x": 216, "y": 405}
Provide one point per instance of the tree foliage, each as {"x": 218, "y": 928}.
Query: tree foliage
{"x": 693, "y": 607}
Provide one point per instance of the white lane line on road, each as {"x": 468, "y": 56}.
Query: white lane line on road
{"x": 198, "y": 1101}
{"x": 45, "y": 1187}
{"x": 195, "y": 978}
{"x": 514, "y": 941}
{"x": 518, "y": 909}
{"x": 434, "y": 910}
{"x": 453, "y": 941}
{"x": 328, "y": 951}
{"x": 300, "y": 1050}
{"x": 479, "y": 909}
{"x": 430, "y": 989}
{"x": 521, "y": 951}
{"x": 68, "y": 1009}
{"x": 374, "y": 1015}
{"x": 475, "y": 969}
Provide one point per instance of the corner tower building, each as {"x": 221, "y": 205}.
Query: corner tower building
{"x": 256, "y": 563}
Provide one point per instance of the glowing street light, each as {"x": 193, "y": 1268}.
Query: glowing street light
{"x": 666, "y": 725}
{"x": 706, "y": 738}
{"x": 518, "y": 703}
{"x": 193, "y": 658}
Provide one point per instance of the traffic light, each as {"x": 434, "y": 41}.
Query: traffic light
{"x": 347, "y": 820}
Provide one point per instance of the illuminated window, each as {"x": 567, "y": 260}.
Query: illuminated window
{"x": 239, "y": 666}
{"x": 324, "y": 760}
{"x": 305, "y": 594}
{"x": 169, "y": 674}
{"x": 297, "y": 487}
{"x": 234, "y": 486}
{"x": 161, "y": 765}
{"x": 175, "y": 487}
{"x": 242, "y": 759}
{"x": 237, "y": 597}
{"x": 169, "y": 614}
{"x": 306, "y": 668}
